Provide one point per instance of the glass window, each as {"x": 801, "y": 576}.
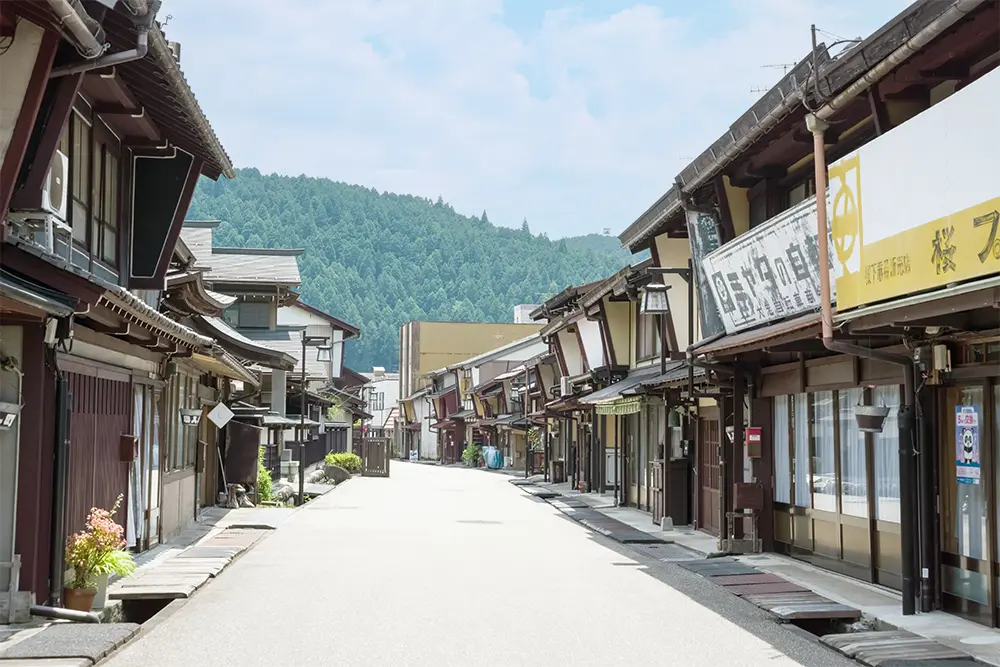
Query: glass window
{"x": 79, "y": 166}
{"x": 803, "y": 496}
{"x": 853, "y": 464}
{"x": 887, "y": 457}
{"x": 824, "y": 478}
{"x": 782, "y": 453}
{"x": 649, "y": 336}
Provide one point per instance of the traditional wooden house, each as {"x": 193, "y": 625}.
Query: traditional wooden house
{"x": 821, "y": 418}
{"x": 105, "y": 145}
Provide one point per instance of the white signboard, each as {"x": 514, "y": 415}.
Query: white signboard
{"x": 220, "y": 415}
{"x": 769, "y": 273}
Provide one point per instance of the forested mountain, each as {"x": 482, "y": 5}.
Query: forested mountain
{"x": 378, "y": 260}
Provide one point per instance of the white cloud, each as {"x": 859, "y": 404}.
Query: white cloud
{"x": 578, "y": 125}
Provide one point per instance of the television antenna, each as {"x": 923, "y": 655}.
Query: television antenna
{"x": 783, "y": 66}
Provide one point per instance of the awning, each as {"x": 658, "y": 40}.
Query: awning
{"x": 287, "y": 422}
{"x": 612, "y": 392}
{"x": 629, "y": 405}
{"x": 19, "y": 288}
{"x": 512, "y": 421}
{"x": 798, "y": 328}
{"x": 520, "y": 370}
{"x": 243, "y": 346}
{"x": 444, "y": 423}
{"x": 676, "y": 374}
{"x": 125, "y": 303}
{"x": 464, "y": 415}
{"x": 414, "y": 396}
{"x": 967, "y": 296}
{"x": 225, "y": 366}
{"x": 441, "y": 394}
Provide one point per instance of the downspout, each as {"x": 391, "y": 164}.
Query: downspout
{"x": 907, "y": 488}
{"x": 85, "y": 30}
{"x": 57, "y": 562}
{"x": 141, "y": 48}
{"x": 947, "y": 18}
{"x": 137, "y": 7}
{"x": 958, "y": 10}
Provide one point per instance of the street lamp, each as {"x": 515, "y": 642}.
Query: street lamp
{"x": 655, "y": 302}
{"x": 322, "y": 354}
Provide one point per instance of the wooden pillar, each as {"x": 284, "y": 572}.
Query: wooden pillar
{"x": 736, "y": 447}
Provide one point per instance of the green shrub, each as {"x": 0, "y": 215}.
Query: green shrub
{"x": 264, "y": 488}
{"x": 471, "y": 454}
{"x": 346, "y": 460}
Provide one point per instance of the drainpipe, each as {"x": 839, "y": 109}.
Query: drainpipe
{"x": 141, "y": 48}
{"x": 85, "y": 30}
{"x": 907, "y": 490}
{"x": 137, "y": 7}
{"x": 57, "y": 563}
{"x": 958, "y": 10}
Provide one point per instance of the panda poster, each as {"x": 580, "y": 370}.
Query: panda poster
{"x": 967, "y": 444}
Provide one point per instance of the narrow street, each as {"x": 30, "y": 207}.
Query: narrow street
{"x": 446, "y": 566}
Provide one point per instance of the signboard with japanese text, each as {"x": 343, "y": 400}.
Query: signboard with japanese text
{"x": 770, "y": 273}
{"x": 967, "y": 444}
{"x": 703, "y": 232}
{"x": 919, "y": 207}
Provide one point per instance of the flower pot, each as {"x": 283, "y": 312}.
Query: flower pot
{"x": 79, "y": 599}
{"x": 870, "y": 418}
{"x": 101, "y": 596}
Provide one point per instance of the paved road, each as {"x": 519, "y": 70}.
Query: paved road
{"x": 440, "y": 567}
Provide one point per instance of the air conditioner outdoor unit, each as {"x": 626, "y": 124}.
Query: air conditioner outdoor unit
{"x": 45, "y": 224}
{"x": 56, "y": 189}
{"x": 565, "y": 388}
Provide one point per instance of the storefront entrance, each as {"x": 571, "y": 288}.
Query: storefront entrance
{"x": 967, "y": 429}
{"x": 709, "y": 482}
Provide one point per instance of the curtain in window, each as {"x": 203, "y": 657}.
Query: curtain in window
{"x": 887, "y": 457}
{"x": 853, "y": 466}
{"x": 824, "y": 478}
{"x": 782, "y": 454}
{"x": 801, "y": 434}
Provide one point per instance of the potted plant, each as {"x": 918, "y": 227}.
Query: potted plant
{"x": 95, "y": 553}
{"x": 470, "y": 455}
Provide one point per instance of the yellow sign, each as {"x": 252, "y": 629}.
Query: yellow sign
{"x": 919, "y": 208}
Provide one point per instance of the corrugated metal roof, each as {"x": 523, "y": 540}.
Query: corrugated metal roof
{"x": 240, "y": 265}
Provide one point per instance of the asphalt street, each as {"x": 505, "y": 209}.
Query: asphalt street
{"x": 448, "y": 566}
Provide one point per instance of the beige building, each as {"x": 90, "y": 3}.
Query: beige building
{"x": 427, "y": 346}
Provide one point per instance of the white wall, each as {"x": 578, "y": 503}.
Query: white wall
{"x": 295, "y": 316}
{"x": 593, "y": 342}
{"x": 389, "y": 387}
{"x": 571, "y": 352}
{"x": 16, "y": 65}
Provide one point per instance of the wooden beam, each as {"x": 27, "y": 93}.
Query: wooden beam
{"x": 727, "y": 232}
{"x": 48, "y": 131}
{"x": 879, "y": 112}
{"x": 26, "y": 118}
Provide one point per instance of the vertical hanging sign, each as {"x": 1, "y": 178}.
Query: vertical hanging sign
{"x": 703, "y": 232}
{"x": 967, "y": 444}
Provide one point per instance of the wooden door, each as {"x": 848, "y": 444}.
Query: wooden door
{"x": 709, "y": 498}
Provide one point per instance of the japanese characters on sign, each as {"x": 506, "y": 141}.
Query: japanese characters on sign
{"x": 967, "y": 444}
{"x": 920, "y": 210}
{"x": 769, "y": 273}
{"x": 703, "y": 231}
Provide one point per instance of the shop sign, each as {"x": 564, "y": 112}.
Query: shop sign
{"x": 919, "y": 208}
{"x": 770, "y": 273}
{"x": 967, "y": 444}
{"x": 703, "y": 231}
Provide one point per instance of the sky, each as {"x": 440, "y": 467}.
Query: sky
{"x": 573, "y": 114}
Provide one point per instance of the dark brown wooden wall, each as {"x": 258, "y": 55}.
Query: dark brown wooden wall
{"x": 100, "y": 413}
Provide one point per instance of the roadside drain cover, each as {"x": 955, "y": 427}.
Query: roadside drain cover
{"x": 73, "y": 640}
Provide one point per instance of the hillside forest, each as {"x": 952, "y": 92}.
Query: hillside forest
{"x": 378, "y": 260}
